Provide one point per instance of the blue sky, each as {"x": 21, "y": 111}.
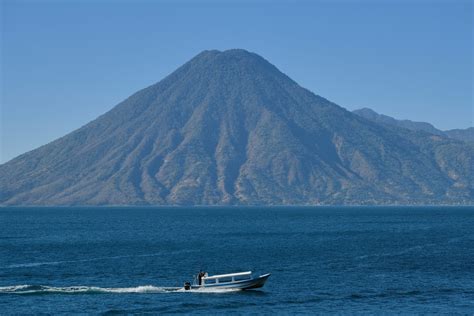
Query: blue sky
{"x": 65, "y": 63}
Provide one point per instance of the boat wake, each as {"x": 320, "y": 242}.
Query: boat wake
{"x": 144, "y": 289}
{"x": 42, "y": 289}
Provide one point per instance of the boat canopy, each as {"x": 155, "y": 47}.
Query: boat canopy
{"x": 213, "y": 277}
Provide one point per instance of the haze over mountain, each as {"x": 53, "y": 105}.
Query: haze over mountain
{"x": 466, "y": 134}
{"x": 230, "y": 128}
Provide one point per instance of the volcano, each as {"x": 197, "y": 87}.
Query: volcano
{"x": 228, "y": 128}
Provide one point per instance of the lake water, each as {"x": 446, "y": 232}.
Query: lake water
{"x": 322, "y": 260}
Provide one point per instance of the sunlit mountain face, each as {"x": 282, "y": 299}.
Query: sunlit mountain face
{"x": 230, "y": 128}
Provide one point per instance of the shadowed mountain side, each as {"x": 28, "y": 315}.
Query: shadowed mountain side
{"x": 230, "y": 128}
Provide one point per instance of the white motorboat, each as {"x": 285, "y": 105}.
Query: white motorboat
{"x": 239, "y": 280}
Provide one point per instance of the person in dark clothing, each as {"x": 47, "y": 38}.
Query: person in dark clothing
{"x": 200, "y": 275}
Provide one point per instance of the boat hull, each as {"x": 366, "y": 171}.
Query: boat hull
{"x": 254, "y": 283}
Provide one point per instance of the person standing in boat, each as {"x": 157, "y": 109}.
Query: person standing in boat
{"x": 200, "y": 275}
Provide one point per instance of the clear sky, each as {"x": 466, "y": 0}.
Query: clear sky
{"x": 65, "y": 63}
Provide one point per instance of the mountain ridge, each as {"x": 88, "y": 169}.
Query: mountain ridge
{"x": 228, "y": 128}
{"x": 466, "y": 134}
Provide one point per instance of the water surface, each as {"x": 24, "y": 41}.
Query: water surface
{"x": 323, "y": 260}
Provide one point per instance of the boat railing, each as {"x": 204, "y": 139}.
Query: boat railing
{"x": 231, "y": 277}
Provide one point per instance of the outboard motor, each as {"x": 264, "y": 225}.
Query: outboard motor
{"x": 187, "y": 286}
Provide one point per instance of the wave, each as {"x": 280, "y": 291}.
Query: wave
{"x": 43, "y": 289}
{"x": 52, "y": 263}
{"x": 396, "y": 253}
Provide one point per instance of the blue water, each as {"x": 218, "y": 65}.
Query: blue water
{"x": 323, "y": 260}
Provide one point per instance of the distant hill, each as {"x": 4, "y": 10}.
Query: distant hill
{"x": 466, "y": 135}
{"x": 230, "y": 128}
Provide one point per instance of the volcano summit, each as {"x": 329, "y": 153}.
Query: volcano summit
{"x": 230, "y": 128}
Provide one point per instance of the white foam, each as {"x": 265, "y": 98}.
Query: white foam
{"x": 139, "y": 289}
{"x": 43, "y": 289}
{"x": 6, "y": 289}
{"x": 35, "y": 289}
